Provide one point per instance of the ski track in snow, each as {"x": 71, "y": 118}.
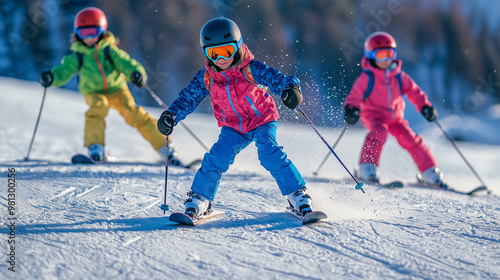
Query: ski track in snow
{"x": 104, "y": 221}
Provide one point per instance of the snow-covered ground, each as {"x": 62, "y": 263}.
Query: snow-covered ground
{"x": 104, "y": 221}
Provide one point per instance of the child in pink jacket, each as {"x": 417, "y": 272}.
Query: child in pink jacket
{"x": 245, "y": 111}
{"x": 377, "y": 97}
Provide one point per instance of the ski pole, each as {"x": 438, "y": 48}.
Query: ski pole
{"x": 165, "y": 207}
{"x": 333, "y": 148}
{"x": 36, "y": 125}
{"x": 460, "y": 153}
{"x": 359, "y": 186}
{"x": 160, "y": 102}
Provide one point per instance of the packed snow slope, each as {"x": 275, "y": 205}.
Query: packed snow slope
{"x": 104, "y": 221}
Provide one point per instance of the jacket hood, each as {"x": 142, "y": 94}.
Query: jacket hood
{"x": 246, "y": 58}
{"x": 108, "y": 40}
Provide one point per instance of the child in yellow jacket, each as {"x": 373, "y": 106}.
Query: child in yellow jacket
{"x": 103, "y": 71}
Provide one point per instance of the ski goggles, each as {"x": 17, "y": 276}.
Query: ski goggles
{"x": 382, "y": 54}
{"x": 89, "y": 32}
{"x": 226, "y": 51}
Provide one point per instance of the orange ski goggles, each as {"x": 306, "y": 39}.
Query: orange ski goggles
{"x": 225, "y": 51}
{"x": 383, "y": 54}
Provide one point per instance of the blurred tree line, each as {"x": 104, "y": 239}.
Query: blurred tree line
{"x": 450, "y": 48}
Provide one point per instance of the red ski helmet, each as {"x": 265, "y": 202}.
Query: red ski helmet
{"x": 379, "y": 40}
{"x": 91, "y": 16}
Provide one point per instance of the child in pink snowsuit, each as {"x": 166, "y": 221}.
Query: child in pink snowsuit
{"x": 377, "y": 97}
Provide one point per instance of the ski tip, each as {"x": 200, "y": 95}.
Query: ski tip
{"x": 313, "y": 217}
{"x": 485, "y": 188}
{"x": 481, "y": 188}
{"x": 192, "y": 165}
{"x": 393, "y": 185}
{"x": 82, "y": 159}
{"x": 181, "y": 218}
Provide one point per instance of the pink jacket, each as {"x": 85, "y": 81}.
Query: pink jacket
{"x": 385, "y": 100}
{"x": 238, "y": 102}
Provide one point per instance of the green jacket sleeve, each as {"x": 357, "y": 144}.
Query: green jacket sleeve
{"x": 124, "y": 63}
{"x": 64, "y": 71}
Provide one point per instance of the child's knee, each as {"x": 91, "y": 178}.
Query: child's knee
{"x": 99, "y": 106}
{"x": 273, "y": 158}
{"x": 136, "y": 116}
{"x": 98, "y": 111}
{"x": 217, "y": 162}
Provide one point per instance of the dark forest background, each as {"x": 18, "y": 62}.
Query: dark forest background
{"x": 450, "y": 48}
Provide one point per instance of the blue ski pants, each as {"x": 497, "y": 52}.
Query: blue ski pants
{"x": 230, "y": 143}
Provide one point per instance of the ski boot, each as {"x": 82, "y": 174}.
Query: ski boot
{"x": 197, "y": 206}
{"x": 432, "y": 177}
{"x": 173, "y": 156}
{"x": 367, "y": 173}
{"x": 300, "y": 202}
{"x": 96, "y": 152}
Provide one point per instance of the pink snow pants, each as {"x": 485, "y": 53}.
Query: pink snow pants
{"x": 406, "y": 138}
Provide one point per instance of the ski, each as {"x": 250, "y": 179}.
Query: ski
{"x": 84, "y": 159}
{"x": 449, "y": 189}
{"x": 192, "y": 164}
{"x": 310, "y": 217}
{"x": 390, "y": 185}
{"x": 183, "y": 219}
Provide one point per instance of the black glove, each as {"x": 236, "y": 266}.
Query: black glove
{"x": 291, "y": 97}
{"x": 166, "y": 123}
{"x": 137, "y": 79}
{"x": 351, "y": 115}
{"x": 46, "y": 78}
{"x": 430, "y": 113}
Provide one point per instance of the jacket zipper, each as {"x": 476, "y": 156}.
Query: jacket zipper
{"x": 101, "y": 69}
{"x": 388, "y": 85}
{"x": 231, "y": 101}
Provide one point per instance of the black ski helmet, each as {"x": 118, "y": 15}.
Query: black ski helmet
{"x": 220, "y": 31}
